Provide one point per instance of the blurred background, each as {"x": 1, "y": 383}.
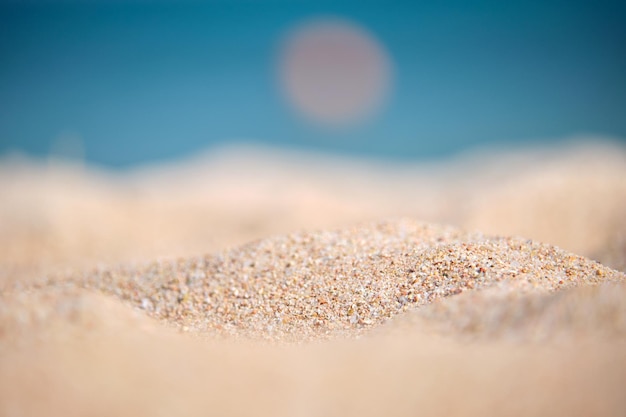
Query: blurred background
{"x": 121, "y": 83}
{"x": 134, "y": 130}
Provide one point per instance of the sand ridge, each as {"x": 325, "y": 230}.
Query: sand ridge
{"x": 307, "y": 286}
{"x": 390, "y": 317}
{"x": 89, "y": 343}
{"x": 313, "y": 284}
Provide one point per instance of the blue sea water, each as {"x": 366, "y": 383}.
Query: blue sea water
{"x": 139, "y": 81}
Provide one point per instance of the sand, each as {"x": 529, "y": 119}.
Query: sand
{"x": 285, "y": 284}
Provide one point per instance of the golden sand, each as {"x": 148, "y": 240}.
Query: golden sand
{"x": 311, "y": 285}
{"x": 395, "y": 317}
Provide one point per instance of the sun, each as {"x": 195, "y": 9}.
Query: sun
{"x": 334, "y": 72}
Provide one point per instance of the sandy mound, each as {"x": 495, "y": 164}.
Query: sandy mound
{"x": 444, "y": 320}
{"x": 308, "y": 285}
{"x": 108, "y": 307}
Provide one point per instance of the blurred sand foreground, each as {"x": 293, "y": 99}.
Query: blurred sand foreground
{"x": 120, "y": 295}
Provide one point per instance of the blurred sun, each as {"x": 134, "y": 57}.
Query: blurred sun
{"x": 334, "y": 72}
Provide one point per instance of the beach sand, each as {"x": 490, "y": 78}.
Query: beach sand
{"x": 264, "y": 282}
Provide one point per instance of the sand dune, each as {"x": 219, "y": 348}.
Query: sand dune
{"x": 543, "y": 322}
{"x": 226, "y": 287}
{"x": 310, "y": 285}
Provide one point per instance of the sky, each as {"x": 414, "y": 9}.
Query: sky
{"x": 138, "y": 81}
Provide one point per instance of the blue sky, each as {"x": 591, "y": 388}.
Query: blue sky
{"x": 142, "y": 81}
